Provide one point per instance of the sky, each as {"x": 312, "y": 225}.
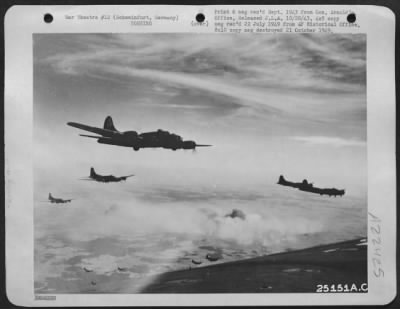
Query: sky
{"x": 269, "y": 104}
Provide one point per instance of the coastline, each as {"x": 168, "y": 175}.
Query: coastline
{"x": 298, "y": 271}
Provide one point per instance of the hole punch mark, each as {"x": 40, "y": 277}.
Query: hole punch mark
{"x": 200, "y": 17}
{"x": 48, "y": 18}
{"x": 351, "y": 18}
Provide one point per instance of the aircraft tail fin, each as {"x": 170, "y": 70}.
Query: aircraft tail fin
{"x": 281, "y": 179}
{"x": 92, "y": 172}
{"x": 108, "y": 124}
{"x": 50, "y": 197}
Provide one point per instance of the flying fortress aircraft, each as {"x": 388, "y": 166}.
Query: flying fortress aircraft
{"x": 309, "y": 187}
{"x": 58, "y": 200}
{"x": 156, "y": 139}
{"x": 105, "y": 178}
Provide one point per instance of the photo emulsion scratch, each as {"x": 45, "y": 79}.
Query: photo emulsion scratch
{"x": 199, "y": 163}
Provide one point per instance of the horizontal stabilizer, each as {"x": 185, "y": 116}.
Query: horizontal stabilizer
{"x": 103, "y": 132}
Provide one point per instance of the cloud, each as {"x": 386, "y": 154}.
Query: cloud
{"x": 330, "y": 141}
{"x": 337, "y": 59}
{"x": 102, "y": 264}
{"x": 252, "y": 72}
{"x": 236, "y": 213}
{"x": 255, "y": 228}
{"x": 243, "y": 94}
{"x": 183, "y": 195}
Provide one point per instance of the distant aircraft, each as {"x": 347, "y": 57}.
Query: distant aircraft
{"x": 87, "y": 270}
{"x": 309, "y": 187}
{"x": 58, "y": 200}
{"x": 105, "y": 178}
{"x": 156, "y": 139}
{"x": 122, "y": 268}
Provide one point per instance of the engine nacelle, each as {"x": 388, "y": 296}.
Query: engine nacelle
{"x": 188, "y": 145}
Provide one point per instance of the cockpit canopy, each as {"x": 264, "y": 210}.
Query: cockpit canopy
{"x": 159, "y": 131}
{"x": 176, "y": 137}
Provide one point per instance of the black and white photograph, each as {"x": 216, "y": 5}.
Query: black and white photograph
{"x": 199, "y": 163}
{"x": 216, "y": 155}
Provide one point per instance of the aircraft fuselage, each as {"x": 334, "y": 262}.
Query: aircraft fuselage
{"x": 309, "y": 187}
{"x": 58, "y": 201}
{"x": 161, "y": 139}
{"x": 109, "y": 178}
{"x": 106, "y": 178}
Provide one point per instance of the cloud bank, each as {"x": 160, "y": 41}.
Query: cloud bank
{"x": 330, "y": 141}
{"x": 252, "y": 70}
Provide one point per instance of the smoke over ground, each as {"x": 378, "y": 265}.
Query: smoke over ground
{"x": 127, "y": 219}
{"x": 115, "y": 230}
{"x": 255, "y": 228}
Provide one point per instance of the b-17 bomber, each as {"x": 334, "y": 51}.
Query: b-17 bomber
{"x": 105, "y": 178}
{"x": 156, "y": 139}
{"x": 58, "y": 200}
{"x": 309, "y": 187}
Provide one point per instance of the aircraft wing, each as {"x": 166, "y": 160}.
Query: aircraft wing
{"x": 296, "y": 185}
{"x": 102, "y": 132}
{"x": 92, "y": 136}
{"x": 312, "y": 190}
{"x": 291, "y": 184}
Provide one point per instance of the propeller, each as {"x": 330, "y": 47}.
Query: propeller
{"x": 202, "y": 145}
{"x": 192, "y": 145}
{"x": 126, "y": 177}
{"x": 199, "y": 145}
